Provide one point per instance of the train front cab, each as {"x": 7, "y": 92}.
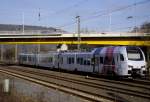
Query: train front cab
{"x": 132, "y": 62}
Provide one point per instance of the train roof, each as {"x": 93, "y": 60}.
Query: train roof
{"x": 92, "y": 51}
{"x": 97, "y": 50}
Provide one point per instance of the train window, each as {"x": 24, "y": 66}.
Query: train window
{"x": 113, "y": 61}
{"x": 117, "y": 58}
{"x": 24, "y": 58}
{"x": 78, "y": 60}
{"x": 72, "y": 60}
{"x": 69, "y": 60}
{"x": 29, "y": 58}
{"x": 81, "y": 61}
{"x": 61, "y": 60}
{"x": 134, "y": 54}
{"x": 101, "y": 60}
{"x": 88, "y": 62}
{"x": 33, "y": 59}
{"x": 50, "y": 59}
{"x": 106, "y": 61}
{"x": 92, "y": 61}
{"x": 121, "y": 57}
{"x": 84, "y": 62}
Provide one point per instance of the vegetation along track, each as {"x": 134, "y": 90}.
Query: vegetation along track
{"x": 127, "y": 88}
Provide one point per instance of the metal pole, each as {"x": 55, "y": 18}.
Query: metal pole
{"x": 23, "y": 22}
{"x": 79, "y": 38}
{"x": 1, "y": 52}
{"x": 39, "y": 46}
{"x": 135, "y": 17}
{"x": 38, "y": 52}
{"x": 109, "y": 22}
{"x": 16, "y": 53}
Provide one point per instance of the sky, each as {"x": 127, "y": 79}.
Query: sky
{"x": 95, "y": 15}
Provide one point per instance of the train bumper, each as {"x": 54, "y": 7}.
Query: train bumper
{"x": 137, "y": 72}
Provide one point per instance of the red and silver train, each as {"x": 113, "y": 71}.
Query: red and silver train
{"x": 123, "y": 61}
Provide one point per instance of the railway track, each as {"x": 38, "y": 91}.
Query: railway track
{"x": 87, "y": 96}
{"x": 123, "y": 88}
{"x": 129, "y": 82}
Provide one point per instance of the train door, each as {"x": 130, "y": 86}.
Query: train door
{"x": 109, "y": 62}
{"x": 117, "y": 63}
{"x": 121, "y": 64}
{"x": 56, "y": 60}
{"x": 95, "y": 63}
{"x": 101, "y": 62}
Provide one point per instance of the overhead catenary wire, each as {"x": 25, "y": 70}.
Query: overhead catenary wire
{"x": 65, "y": 10}
{"x": 106, "y": 12}
{"x": 127, "y": 27}
{"x": 93, "y": 15}
{"x": 66, "y": 25}
{"x": 70, "y": 7}
{"x": 81, "y": 2}
{"x": 137, "y": 17}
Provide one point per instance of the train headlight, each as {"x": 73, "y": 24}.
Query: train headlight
{"x": 130, "y": 66}
{"x": 144, "y": 72}
{"x": 143, "y": 66}
{"x": 129, "y": 71}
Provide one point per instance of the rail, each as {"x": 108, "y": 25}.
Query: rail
{"x": 112, "y": 86}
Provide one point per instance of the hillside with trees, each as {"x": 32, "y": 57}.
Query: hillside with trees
{"x": 144, "y": 28}
{"x": 11, "y": 27}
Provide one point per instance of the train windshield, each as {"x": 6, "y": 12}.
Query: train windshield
{"x": 134, "y": 54}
